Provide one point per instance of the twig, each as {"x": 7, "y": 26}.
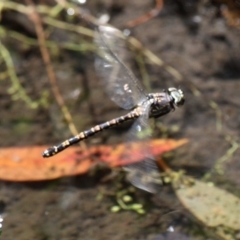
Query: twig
{"x": 81, "y": 47}
{"x": 218, "y": 113}
{"x": 219, "y": 165}
{"x": 87, "y": 32}
{"x": 16, "y": 90}
{"x": 143, "y": 72}
{"x": 148, "y": 16}
{"x": 67, "y": 26}
{"x": 34, "y": 16}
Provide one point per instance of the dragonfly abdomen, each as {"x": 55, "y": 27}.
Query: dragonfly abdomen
{"x": 88, "y": 133}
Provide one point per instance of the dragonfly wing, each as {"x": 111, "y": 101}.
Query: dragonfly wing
{"x": 120, "y": 83}
{"x": 144, "y": 174}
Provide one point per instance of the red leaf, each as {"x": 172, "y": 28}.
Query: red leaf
{"x": 27, "y": 164}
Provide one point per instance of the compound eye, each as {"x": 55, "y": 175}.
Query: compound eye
{"x": 180, "y": 101}
{"x": 177, "y": 95}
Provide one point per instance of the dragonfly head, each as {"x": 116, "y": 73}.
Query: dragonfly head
{"x": 177, "y": 95}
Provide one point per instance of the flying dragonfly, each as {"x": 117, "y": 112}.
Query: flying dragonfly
{"x": 127, "y": 92}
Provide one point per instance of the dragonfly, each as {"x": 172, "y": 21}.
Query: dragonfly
{"x": 127, "y": 92}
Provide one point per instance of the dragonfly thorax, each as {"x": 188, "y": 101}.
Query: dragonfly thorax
{"x": 164, "y": 102}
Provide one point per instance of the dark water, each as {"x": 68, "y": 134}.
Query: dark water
{"x": 195, "y": 40}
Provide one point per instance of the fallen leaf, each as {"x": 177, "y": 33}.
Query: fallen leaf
{"x": 211, "y": 205}
{"x": 27, "y": 164}
{"x": 116, "y": 155}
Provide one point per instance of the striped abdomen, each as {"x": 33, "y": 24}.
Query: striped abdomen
{"x": 85, "y": 134}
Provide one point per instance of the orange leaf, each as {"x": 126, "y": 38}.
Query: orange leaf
{"x": 124, "y": 154}
{"x": 27, "y": 164}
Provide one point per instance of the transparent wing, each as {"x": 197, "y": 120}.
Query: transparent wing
{"x": 120, "y": 83}
{"x": 144, "y": 174}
